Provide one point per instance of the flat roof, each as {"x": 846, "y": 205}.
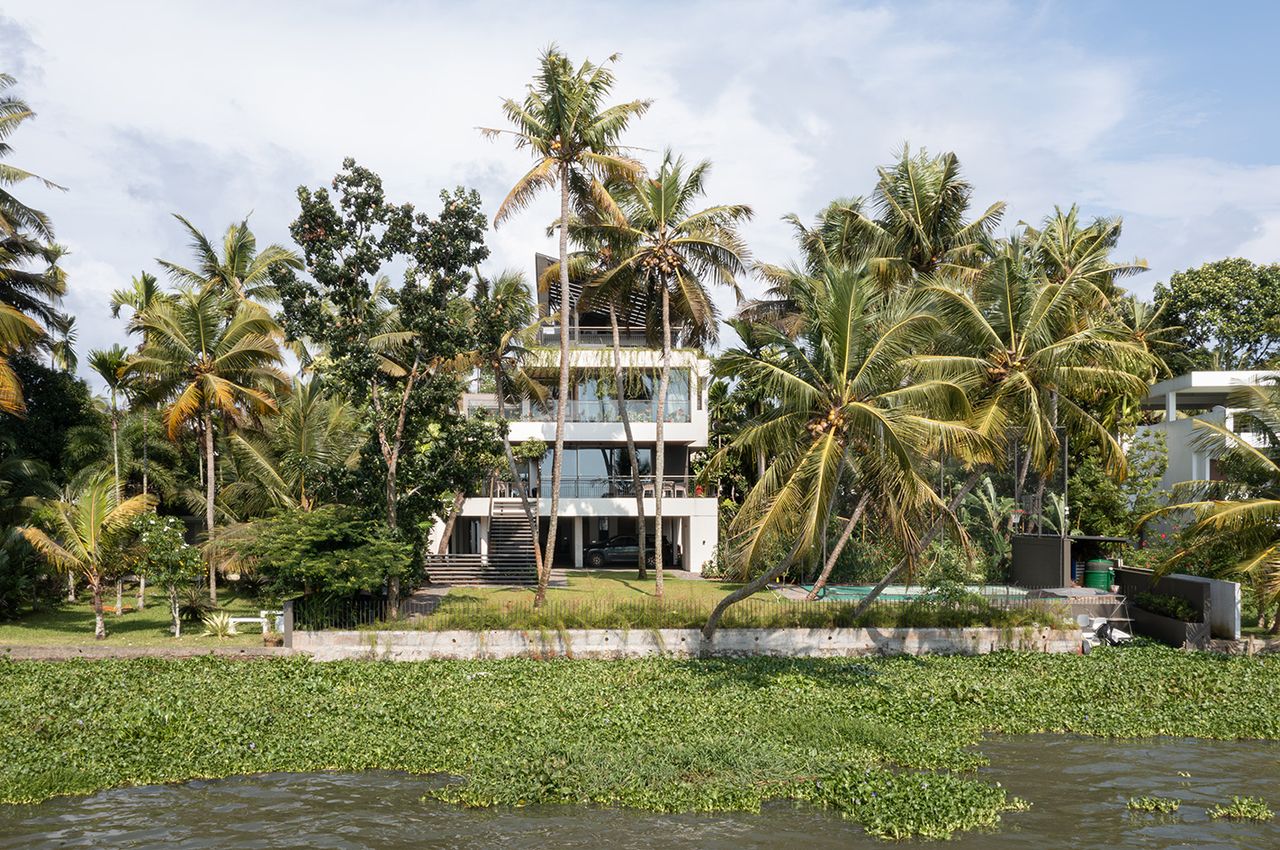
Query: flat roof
{"x": 1204, "y": 389}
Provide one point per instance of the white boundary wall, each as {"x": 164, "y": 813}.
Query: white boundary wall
{"x": 676, "y": 643}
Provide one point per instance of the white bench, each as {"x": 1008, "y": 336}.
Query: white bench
{"x": 264, "y": 619}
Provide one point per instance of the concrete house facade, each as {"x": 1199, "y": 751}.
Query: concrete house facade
{"x": 1197, "y": 396}
{"x": 597, "y": 498}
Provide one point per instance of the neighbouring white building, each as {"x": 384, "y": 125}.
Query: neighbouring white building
{"x": 597, "y": 495}
{"x": 1191, "y": 397}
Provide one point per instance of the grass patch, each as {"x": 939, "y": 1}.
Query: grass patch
{"x": 1243, "y": 808}
{"x": 71, "y": 624}
{"x": 611, "y": 600}
{"x": 1155, "y": 805}
{"x": 886, "y": 742}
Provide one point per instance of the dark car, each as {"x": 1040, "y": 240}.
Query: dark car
{"x": 621, "y": 551}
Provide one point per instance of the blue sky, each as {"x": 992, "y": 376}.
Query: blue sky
{"x": 1164, "y": 113}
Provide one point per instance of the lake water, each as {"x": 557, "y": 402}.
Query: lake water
{"x": 1079, "y": 787}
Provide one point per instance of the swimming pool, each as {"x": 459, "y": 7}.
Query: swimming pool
{"x": 905, "y": 593}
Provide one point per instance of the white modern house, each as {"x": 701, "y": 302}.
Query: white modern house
{"x": 1197, "y": 396}
{"x": 597, "y": 494}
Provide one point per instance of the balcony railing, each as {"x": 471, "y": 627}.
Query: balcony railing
{"x": 611, "y": 487}
{"x": 593, "y": 410}
{"x": 595, "y": 337}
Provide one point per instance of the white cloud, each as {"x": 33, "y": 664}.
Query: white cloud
{"x": 218, "y": 109}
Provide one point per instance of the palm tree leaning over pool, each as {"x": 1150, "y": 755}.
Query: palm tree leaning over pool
{"x": 660, "y": 243}
{"x": 847, "y": 404}
{"x": 212, "y": 361}
{"x": 84, "y": 531}
{"x": 573, "y": 137}
{"x": 1243, "y": 518}
{"x": 1033, "y": 355}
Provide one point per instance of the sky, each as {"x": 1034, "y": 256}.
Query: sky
{"x": 1164, "y": 113}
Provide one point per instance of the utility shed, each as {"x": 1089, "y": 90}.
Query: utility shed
{"x": 1044, "y": 560}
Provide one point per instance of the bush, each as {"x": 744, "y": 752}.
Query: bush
{"x": 331, "y": 551}
{"x": 1167, "y": 606}
{"x": 194, "y": 604}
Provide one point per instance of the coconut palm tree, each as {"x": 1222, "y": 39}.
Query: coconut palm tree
{"x": 1234, "y": 516}
{"x": 1070, "y": 253}
{"x": 140, "y": 296}
{"x": 662, "y": 244}
{"x": 15, "y": 216}
{"x": 573, "y": 136}
{"x": 111, "y": 366}
{"x": 31, "y": 288}
{"x": 211, "y": 361}
{"x": 286, "y": 464}
{"x": 238, "y": 270}
{"x": 848, "y": 410}
{"x": 503, "y": 316}
{"x": 85, "y": 530}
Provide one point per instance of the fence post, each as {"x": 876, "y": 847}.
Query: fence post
{"x": 288, "y": 623}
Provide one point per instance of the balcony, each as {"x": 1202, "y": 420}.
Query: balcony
{"x": 613, "y": 487}
{"x": 595, "y": 337}
{"x": 593, "y": 410}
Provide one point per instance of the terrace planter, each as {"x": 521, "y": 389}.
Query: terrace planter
{"x": 1177, "y": 633}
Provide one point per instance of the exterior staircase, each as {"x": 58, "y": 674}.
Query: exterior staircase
{"x": 509, "y": 561}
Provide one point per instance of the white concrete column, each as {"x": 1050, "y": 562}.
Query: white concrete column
{"x": 1170, "y": 406}
{"x": 577, "y": 542}
{"x": 484, "y": 535}
{"x": 703, "y": 533}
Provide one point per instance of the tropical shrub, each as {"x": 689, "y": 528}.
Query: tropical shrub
{"x": 161, "y": 553}
{"x": 330, "y": 551}
{"x": 1166, "y": 606}
{"x": 219, "y": 625}
{"x": 194, "y": 604}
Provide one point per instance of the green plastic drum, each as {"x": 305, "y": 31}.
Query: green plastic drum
{"x": 1098, "y": 574}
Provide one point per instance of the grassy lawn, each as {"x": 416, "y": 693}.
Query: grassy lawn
{"x": 890, "y": 743}
{"x": 607, "y": 586}
{"x": 72, "y": 625}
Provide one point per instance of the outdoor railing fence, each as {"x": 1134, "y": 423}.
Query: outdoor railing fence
{"x": 472, "y": 614}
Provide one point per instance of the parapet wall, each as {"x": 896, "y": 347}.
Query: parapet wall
{"x": 415, "y": 645}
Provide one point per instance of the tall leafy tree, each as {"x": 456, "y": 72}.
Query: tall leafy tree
{"x": 215, "y": 364}
{"x": 85, "y": 532}
{"x": 662, "y": 243}
{"x": 573, "y": 137}
{"x": 848, "y": 409}
{"x": 393, "y": 353}
{"x": 1229, "y": 311}
{"x": 237, "y": 269}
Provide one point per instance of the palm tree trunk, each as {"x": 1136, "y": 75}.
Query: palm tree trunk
{"x": 115, "y": 449}
{"x": 1275, "y": 621}
{"x": 145, "y": 441}
{"x": 660, "y": 453}
{"x": 451, "y": 522}
{"x": 99, "y": 622}
{"x": 930, "y": 536}
{"x": 557, "y": 462}
{"x": 525, "y": 501}
{"x": 71, "y": 587}
{"x": 641, "y": 571}
{"x": 142, "y": 591}
{"x": 854, "y": 518}
{"x": 755, "y": 585}
{"x": 209, "y": 495}
{"x": 119, "y": 596}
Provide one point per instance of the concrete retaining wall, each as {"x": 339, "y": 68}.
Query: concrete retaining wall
{"x": 677, "y": 643}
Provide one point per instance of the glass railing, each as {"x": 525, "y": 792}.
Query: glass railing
{"x": 611, "y": 487}
{"x": 595, "y": 410}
